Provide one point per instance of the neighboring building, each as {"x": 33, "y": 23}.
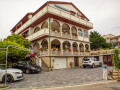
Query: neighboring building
{"x": 112, "y": 39}
{"x": 108, "y": 37}
{"x": 60, "y": 31}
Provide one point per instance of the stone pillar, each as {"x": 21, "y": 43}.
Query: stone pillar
{"x": 70, "y": 32}
{"x": 61, "y": 47}
{"x": 71, "y": 47}
{"x": 78, "y": 48}
{"x": 77, "y": 32}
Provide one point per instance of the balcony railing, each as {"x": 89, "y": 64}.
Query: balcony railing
{"x": 87, "y": 53}
{"x": 65, "y": 52}
{"x": 56, "y": 52}
{"x": 74, "y": 37}
{"x": 44, "y": 52}
{"x": 66, "y": 35}
{"x": 81, "y": 53}
{"x": 36, "y": 35}
{"x": 55, "y": 33}
{"x": 75, "y": 52}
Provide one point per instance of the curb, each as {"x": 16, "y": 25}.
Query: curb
{"x": 86, "y": 84}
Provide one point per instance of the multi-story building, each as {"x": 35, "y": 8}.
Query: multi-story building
{"x": 112, "y": 39}
{"x": 59, "y": 30}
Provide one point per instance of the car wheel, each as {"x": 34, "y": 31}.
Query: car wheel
{"x": 84, "y": 66}
{"x": 27, "y": 71}
{"x": 9, "y": 79}
{"x": 93, "y": 65}
{"x": 100, "y": 64}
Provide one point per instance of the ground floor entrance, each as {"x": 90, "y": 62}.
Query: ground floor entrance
{"x": 76, "y": 62}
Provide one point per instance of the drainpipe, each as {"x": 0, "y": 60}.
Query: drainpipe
{"x": 49, "y": 46}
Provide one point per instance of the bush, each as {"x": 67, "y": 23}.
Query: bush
{"x": 13, "y": 53}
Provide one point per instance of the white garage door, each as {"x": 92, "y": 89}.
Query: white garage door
{"x": 60, "y": 62}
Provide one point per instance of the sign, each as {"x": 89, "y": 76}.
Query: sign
{"x": 105, "y": 74}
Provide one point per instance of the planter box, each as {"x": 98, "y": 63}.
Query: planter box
{"x": 116, "y": 74}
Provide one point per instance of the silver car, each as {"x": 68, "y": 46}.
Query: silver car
{"x": 91, "y": 62}
{"x": 12, "y": 75}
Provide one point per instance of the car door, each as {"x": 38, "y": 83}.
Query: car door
{"x": 20, "y": 65}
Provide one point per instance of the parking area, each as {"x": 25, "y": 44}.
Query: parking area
{"x": 61, "y": 77}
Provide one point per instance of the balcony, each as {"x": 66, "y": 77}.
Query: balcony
{"x": 67, "y": 15}
{"x": 56, "y": 52}
{"x": 38, "y": 34}
{"x": 44, "y": 52}
{"x": 66, "y": 35}
{"x": 81, "y": 53}
{"x": 55, "y": 33}
{"x": 66, "y": 52}
{"x": 75, "y": 52}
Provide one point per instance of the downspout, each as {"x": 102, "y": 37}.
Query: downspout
{"x": 49, "y": 45}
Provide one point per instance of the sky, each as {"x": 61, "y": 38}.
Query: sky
{"x": 104, "y": 14}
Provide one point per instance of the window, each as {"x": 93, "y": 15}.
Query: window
{"x": 80, "y": 32}
{"x": 85, "y": 34}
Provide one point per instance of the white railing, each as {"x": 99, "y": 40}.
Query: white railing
{"x": 56, "y": 52}
{"x": 66, "y": 35}
{"x": 75, "y": 53}
{"x": 74, "y": 37}
{"x": 44, "y": 52}
{"x": 55, "y": 33}
{"x": 81, "y": 53}
{"x": 65, "y": 14}
{"x": 38, "y": 34}
{"x": 65, "y": 52}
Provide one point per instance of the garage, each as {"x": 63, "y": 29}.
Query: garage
{"x": 60, "y": 62}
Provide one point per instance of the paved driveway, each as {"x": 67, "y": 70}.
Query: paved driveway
{"x": 60, "y": 78}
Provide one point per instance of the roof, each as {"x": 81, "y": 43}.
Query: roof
{"x": 48, "y": 2}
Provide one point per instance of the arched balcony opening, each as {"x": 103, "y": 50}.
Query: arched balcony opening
{"x": 44, "y": 47}
{"x": 36, "y": 49}
{"x": 75, "y": 48}
{"x": 44, "y": 25}
{"x": 66, "y": 48}
{"x": 55, "y": 47}
{"x": 65, "y": 30}
{"x": 36, "y": 29}
{"x": 55, "y": 28}
{"x": 81, "y": 47}
{"x": 87, "y": 48}
{"x": 74, "y": 32}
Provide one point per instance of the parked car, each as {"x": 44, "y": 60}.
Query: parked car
{"x": 91, "y": 62}
{"x": 12, "y": 75}
{"x": 27, "y": 67}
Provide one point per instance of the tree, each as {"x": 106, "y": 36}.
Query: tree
{"x": 97, "y": 41}
{"x": 13, "y": 53}
{"x": 116, "y": 58}
{"x": 18, "y": 39}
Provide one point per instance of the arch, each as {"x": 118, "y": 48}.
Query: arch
{"x": 55, "y": 44}
{"x": 65, "y": 28}
{"x": 36, "y": 47}
{"x": 75, "y": 46}
{"x": 36, "y": 29}
{"x": 66, "y": 45}
{"x": 55, "y": 25}
{"x": 74, "y": 30}
{"x": 81, "y": 47}
{"x": 44, "y": 25}
{"x": 87, "y": 48}
{"x": 44, "y": 44}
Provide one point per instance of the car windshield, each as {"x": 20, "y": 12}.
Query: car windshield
{"x": 86, "y": 59}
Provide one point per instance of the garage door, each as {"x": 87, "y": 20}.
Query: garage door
{"x": 60, "y": 62}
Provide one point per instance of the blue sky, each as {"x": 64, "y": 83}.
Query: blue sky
{"x": 104, "y": 14}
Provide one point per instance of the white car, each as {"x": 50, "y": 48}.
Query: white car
{"x": 12, "y": 75}
{"x": 92, "y": 62}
